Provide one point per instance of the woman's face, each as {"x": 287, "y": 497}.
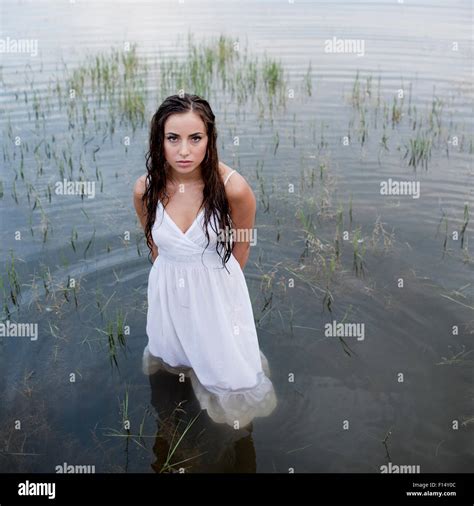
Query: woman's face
{"x": 185, "y": 139}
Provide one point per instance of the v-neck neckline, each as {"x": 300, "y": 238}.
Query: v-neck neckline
{"x": 176, "y": 226}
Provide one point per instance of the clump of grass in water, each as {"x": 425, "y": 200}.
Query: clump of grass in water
{"x": 419, "y": 150}
{"x": 163, "y": 441}
{"x": 379, "y": 231}
{"x": 317, "y": 249}
{"x": 221, "y": 61}
{"x": 320, "y": 260}
{"x": 168, "y": 465}
{"x": 117, "y": 79}
{"x": 196, "y": 72}
{"x": 115, "y": 333}
{"x": 133, "y": 107}
{"x": 272, "y": 75}
{"x": 428, "y": 126}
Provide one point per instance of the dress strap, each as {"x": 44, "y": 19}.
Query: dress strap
{"x": 227, "y": 178}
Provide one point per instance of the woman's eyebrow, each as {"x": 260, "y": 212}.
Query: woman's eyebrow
{"x": 177, "y": 135}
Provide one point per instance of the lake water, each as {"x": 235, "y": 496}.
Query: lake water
{"x": 402, "y": 393}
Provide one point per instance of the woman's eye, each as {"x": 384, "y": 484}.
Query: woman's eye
{"x": 195, "y": 139}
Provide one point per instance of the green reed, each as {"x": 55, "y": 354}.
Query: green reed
{"x": 13, "y": 280}
{"x": 359, "y": 249}
{"x": 465, "y": 223}
{"x": 418, "y": 151}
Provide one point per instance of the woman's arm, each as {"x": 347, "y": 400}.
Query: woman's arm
{"x": 138, "y": 191}
{"x": 243, "y": 206}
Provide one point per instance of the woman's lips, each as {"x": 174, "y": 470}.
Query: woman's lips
{"x": 185, "y": 163}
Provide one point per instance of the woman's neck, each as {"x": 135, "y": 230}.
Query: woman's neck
{"x": 192, "y": 179}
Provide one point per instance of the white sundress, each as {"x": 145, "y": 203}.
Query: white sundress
{"x": 200, "y": 322}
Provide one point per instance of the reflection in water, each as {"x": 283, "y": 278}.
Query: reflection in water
{"x": 206, "y": 446}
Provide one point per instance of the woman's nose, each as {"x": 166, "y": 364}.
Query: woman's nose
{"x": 183, "y": 149}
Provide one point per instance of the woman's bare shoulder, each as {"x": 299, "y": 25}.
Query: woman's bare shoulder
{"x": 237, "y": 188}
{"x": 225, "y": 170}
{"x": 140, "y": 185}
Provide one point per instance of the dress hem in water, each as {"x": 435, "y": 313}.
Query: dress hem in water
{"x": 228, "y": 406}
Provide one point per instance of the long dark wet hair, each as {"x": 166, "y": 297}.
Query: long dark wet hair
{"x": 214, "y": 196}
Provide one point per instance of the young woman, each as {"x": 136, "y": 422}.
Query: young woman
{"x": 200, "y": 319}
